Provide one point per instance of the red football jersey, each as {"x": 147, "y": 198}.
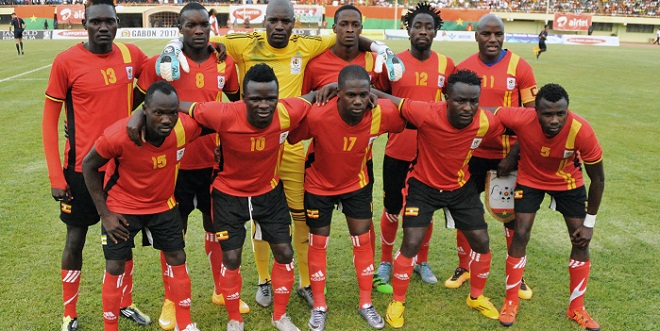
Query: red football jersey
{"x": 422, "y": 81}
{"x": 340, "y": 151}
{"x": 141, "y": 180}
{"x": 96, "y": 89}
{"x": 324, "y": 69}
{"x": 508, "y": 83}
{"x": 443, "y": 152}
{"x": 204, "y": 82}
{"x": 252, "y": 156}
{"x": 550, "y": 163}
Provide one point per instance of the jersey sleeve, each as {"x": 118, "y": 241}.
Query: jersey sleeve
{"x": 526, "y": 82}
{"x": 308, "y": 79}
{"x": 495, "y": 126}
{"x": 382, "y": 82}
{"x": 298, "y": 109}
{"x": 590, "y": 150}
{"x": 414, "y": 112}
{"x": 232, "y": 85}
{"x": 326, "y": 42}
{"x": 210, "y": 114}
{"x": 393, "y": 122}
{"x": 451, "y": 68}
{"x": 58, "y": 81}
{"x": 192, "y": 128}
{"x": 235, "y": 43}
{"x": 507, "y": 116}
{"x": 300, "y": 133}
{"x": 148, "y": 75}
{"x": 104, "y": 145}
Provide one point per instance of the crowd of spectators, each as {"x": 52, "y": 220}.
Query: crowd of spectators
{"x": 596, "y": 7}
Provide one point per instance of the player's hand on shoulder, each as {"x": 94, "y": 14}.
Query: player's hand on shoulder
{"x": 326, "y": 93}
{"x": 135, "y": 127}
{"x": 219, "y": 49}
{"x": 171, "y": 61}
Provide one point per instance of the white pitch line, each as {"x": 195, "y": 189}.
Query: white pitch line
{"x": 23, "y": 74}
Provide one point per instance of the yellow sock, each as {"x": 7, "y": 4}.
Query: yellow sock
{"x": 301, "y": 245}
{"x": 261, "y": 250}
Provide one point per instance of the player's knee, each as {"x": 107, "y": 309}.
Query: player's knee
{"x": 175, "y": 258}
{"x": 75, "y": 240}
{"x": 231, "y": 259}
{"x": 282, "y": 253}
{"x": 115, "y": 267}
{"x": 522, "y": 237}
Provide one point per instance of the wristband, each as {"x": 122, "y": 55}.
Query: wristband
{"x": 589, "y": 221}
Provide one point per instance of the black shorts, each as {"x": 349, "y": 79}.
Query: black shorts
{"x": 269, "y": 211}
{"x": 193, "y": 190}
{"x": 81, "y": 211}
{"x": 463, "y": 208}
{"x": 571, "y": 203}
{"x": 542, "y": 45}
{"x": 164, "y": 230}
{"x": 395, "y": 172}
{"x": 357, "y": 204}
{"x": 478, "y": 168}
{"x": 18, "y": 33}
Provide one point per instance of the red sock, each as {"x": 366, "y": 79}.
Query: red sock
{"x": 282, "y": 278}
{"x": 363, "y": 259}
{"x": 111, "y": 298}
{"x": 214, "y": 253}
{"x": 231, "y": 282}
{"x": 70, "y": 285}
{"x": 180, "y": 289}
{"x": 403, "y": 268}
{"x": 316, "y": 257}
{"x": 127, "y": 289}
{"x": 579, "y": 272}
{"x": 463, "y": 249}
{"x": 479, "y": 269}
{"x": 389, "y": 223}
{"x": 164, "y": 273}
{"x": 508, "y": 234}
{"x": 423, "y": 254}
{"x": 372, "y": 237}
{"x": 515, "y": 266}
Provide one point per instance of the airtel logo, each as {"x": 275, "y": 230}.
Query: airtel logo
{"x": 66, "y": 14}
{"x": 574, "y": 22}
{"x": 249, "y": 13}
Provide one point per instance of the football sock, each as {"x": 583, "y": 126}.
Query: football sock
{"x": 318, "y": 246}
{"x": 180, "y": 288}
{"x": 515, "y": 266}
{"x": 282, "y": 285}
{"x": 463, "y": 249}
{"x": 363, "y": 259}
{"x": 403, "y": 268}
{"x": 579, "y": 272}
{"x": 70, "y": 285}
{"x": 164, "y": 273}
{"x": 389, "y": 223}
{"x": 214, "y": 253}
{"x": 18, "y": 49}
{"x": 479, "y": 269}
{"x": 22, "y": 49}
{"x": 508, "y": 234}
{"x": 231, "y": 282}
{"x": 261, "y": 250}
{"x": 372, "y": 238}
{"x": 111, "y": 298}
{"x": 423, "y": 254}
{"x": 301, "y": 246}
{"x": 127, "y": 288}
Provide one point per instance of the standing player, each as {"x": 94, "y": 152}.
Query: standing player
{"x": 324, "y": 69}
{"x": 543, "y": 36}
{"x": 288, "y": 55}
{"x": 507, "y": 80}
{"x": 448, "y": 132}
{"x": 206, "y": 81}
{"x": 553, "y": 142}
{"x": 342, "y": 132}
{"x": 83, "y": 79}
{"x": 19, "y": 25}
{"x": 213, "y": 22}
{"x": 138, "y": 195}
{"x": 425, "y": 80}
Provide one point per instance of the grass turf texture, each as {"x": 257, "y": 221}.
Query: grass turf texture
{"x": 615, "y": 88}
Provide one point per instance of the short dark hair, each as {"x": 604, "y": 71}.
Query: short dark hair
{"x": 423, "y": 8}
{"x": 463, "y": 76}
{"x": 551, "y": 92}
{"x": 162, "y": 86}
{"x": 260, "y": 73}
{"x": 350, "y": 72}
{"x": 346, "y": 7}
{"x": 190, "y": 6}
{"x": 100, "y": 2}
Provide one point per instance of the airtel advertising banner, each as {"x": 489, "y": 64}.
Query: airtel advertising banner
{"x": 571, "y": 22}
{"x": 255, "y": 13}
{"x": 70, "y": 14}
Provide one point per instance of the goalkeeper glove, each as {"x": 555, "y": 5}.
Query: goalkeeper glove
{"x": 393, "y": 64}
{"x": 171, "y": 61}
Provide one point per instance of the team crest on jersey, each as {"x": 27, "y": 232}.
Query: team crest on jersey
{"x": 283, "y": 137}
{"x": 476, "y": 142}
{"x": 568, "y": 153}
{"x": 221, "y": 82}
{"x": 179, "y": 154}
{"x": 441, "y": 81}
{"x": 510, "y": 83}
{"x": 296, "y": 64}
{"x": 129, "y": 72}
